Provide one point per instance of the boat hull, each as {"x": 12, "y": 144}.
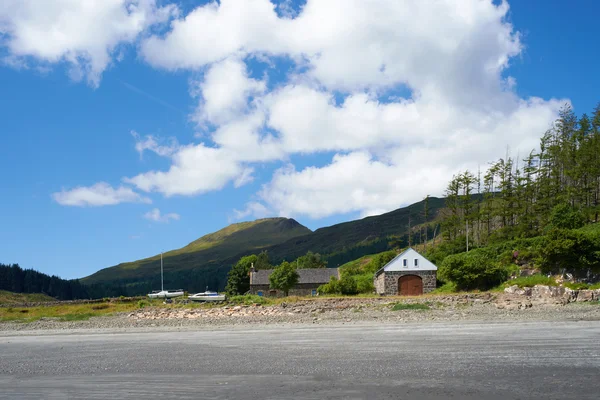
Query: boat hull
{"x": 220, "y": 297}
{"x": 165, "y": 295}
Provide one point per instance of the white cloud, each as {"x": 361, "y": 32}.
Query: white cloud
{"x": 150, "y": 143}
{"x": 156, "y": 216}
{"x": 100, "y": 194}
{"x": 85, "y": 34}
{"x": 196, "y": 169}
{"x": 225, "y": 91}
{"x": 213, "y": 32}
{"x": 401, "y": 95}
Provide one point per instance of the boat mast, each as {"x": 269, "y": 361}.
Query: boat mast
{"x": 161, "y": 273}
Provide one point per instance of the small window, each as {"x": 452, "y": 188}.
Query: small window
{"x": 405, "y": 262}
{"x": 313, "y": 292}
{"x": 260, "y": 293}
{"x": 416, "y": 262}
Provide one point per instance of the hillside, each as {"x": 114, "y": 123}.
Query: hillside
{"x": 206, "y": 261}
{"x": 350, "y": 240}
{"x": 210, "y": 249}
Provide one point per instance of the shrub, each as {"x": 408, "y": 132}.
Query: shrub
{"x": 143, "y": 303}
{"x": 473, "y": 270}
{"x": 247, "y": 299}
{"x": 348, "y": 285}
{"x": 364, "y": 283}
{"x": 564, "y": 216}
{"x": 330, "y": 288}
{"x": 571, "y": 250}
{"x": 403, "y": 306}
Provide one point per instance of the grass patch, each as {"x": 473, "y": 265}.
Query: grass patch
{"x": 449, "y": 287}
{"x": 17, "y": 298}
{"x": 576, "y": 286}
{"x": 64, "y": 312}
{"x": 530, "y": 281}
{"x": 248, "y": 299}
{"x": 77, "y": 317}
{"x": 415, "y": 306}
{"x": 595, "y": 286}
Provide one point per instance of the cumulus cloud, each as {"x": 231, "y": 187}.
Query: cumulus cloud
{"x": 100, "y": 194}
{"x": 196, "y": 169}
{"x": 398, "y": 95}
{"x": 83, "y": 34}
{"x": 225, "y": 90}
{"x": 156, "y": 216}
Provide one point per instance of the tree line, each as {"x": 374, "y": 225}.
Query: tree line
{"x": 516, "y": 198}
{"x": 539, "y": 210}
{"x": 15, "y": 279}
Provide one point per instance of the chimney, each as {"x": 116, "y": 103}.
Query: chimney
{"x": 252, "y": 271}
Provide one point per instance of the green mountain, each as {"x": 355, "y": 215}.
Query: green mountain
{"x": 211, "y": 249}
{"x": 206, "y": 261}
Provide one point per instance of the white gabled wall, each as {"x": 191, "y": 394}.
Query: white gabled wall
{"x": 410, "y": 255}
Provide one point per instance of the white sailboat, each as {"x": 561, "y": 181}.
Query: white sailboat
{"x": 162, "y": 293}
{"x": 207, "y": 296}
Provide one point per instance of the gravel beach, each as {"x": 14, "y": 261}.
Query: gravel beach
{"x": 470, "y": 307}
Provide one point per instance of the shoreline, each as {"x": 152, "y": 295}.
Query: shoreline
{"x": 322, "y": 312}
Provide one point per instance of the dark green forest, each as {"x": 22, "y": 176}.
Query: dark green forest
{"x": 538, "y": 212}
{"x": 18, "y": 280}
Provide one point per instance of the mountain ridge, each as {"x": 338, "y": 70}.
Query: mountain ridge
{"x": 206, "y": 260}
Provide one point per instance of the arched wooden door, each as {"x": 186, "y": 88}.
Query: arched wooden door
{"x": 410, "y": 285}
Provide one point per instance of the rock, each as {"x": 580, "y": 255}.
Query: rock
{"x": 514, "y": 289}
{"x": 586, "y": 295}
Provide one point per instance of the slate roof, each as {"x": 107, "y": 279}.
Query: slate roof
{"x": 307, "y": 275}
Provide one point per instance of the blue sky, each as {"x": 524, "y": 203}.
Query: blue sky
{"x": 261, "y": 112}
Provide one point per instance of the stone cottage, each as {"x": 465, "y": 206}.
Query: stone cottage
{"x": 408, "y": 274}
{"x": 309, "y": 280}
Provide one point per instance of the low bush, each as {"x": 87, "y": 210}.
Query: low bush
{"x": 476, "y": 269}
{"x": 247, "y": 299}
{"x": 330, "y": 288}
{"x": 143, "y": 303}
{"x": 348, "y": 285}
{"x": 364, "y": 283}
{"x": 404, "y": 306}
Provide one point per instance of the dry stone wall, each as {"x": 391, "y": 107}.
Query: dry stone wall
{"x": 390, "y": 281}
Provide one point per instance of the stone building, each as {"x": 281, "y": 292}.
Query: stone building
{"x": 408, "y": 274}
{"x": 309, "y": 280}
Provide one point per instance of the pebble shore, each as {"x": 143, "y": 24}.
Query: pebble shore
{"x": 469, "y": 307}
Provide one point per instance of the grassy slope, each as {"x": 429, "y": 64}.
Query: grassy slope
{"x": 18, "y": 298}
{"x": 337, "y": 238}
{"x": 211, "y": 249}
{"x": 283, "y": 238}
